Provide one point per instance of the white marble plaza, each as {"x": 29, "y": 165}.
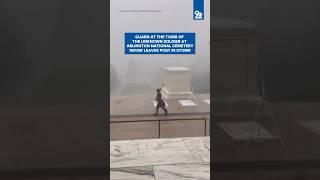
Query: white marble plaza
{"x": 312, "y": 125}
{"x": 246, "y": 130}
{"x": 207, "y": 101}
{"x": 186, "y": 103}
{"x": 161, "y": 159}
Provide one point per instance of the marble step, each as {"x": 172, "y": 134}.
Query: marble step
{"x": 238, "y": 106}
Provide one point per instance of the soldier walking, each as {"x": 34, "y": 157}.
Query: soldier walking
{"x": 160, "y": 103}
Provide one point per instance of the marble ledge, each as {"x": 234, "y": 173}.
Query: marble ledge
{"x": 156, "y": 152}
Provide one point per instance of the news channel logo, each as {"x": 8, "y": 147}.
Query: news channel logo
{"x": 198, "y": 9}
{"x": 198, "y": 15}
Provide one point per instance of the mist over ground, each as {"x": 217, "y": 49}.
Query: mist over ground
{"x": 143, "y": 77}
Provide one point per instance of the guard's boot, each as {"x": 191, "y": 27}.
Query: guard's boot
{"x": 165, "y": 112}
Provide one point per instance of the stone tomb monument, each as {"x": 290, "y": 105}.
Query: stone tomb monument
{"x": 177, "y": 83}
{"x": 235, "y": 68}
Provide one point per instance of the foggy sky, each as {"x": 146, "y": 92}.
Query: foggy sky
{"x": 175, "y": 16}
{"x": 288, "y": 43}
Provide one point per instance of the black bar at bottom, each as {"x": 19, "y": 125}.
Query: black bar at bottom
{"x": 48, "y": 172}
{"x": 270, "y": 165}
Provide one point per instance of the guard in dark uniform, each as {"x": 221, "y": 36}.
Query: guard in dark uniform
{"x": 160, "y": 103}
